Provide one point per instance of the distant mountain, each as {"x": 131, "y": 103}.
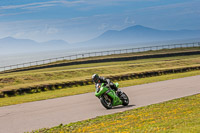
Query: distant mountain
{"x": 134, "y": 36}
{"x": 10, "y": 45}
{"x": 19, "y": 42}
{"x": 140, "y": 34}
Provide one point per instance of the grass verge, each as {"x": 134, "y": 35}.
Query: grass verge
{"x": 85, "y": 89}
{"x": 179, "y": 115}
{"x": 78, "y": 72}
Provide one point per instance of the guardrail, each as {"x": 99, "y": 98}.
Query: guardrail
{"x": 101, "y": 53}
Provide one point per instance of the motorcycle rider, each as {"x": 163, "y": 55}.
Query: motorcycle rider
{"x": 97, "y": 79}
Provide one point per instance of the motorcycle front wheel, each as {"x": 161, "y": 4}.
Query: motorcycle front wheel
{"x": 106, "y": 103}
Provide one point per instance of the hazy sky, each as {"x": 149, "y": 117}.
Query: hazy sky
{"x": 79, "y": 20}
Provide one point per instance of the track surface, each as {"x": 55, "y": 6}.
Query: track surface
{"x": 47, "y": 113}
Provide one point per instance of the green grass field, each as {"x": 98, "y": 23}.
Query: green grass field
{"x": 179, "y": 115}
{"x": 78, "y": 72}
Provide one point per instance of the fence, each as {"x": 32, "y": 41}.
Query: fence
{"x": 101, "y": 53}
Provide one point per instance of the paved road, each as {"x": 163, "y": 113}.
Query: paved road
{"x": 29, "y": 116}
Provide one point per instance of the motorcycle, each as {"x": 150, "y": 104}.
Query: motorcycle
{"x": 109, "y": 98}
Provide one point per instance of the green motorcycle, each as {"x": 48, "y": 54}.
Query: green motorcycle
{"x": 109, "y": 98}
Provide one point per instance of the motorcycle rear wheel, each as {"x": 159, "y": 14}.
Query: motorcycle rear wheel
{"x": 124, "y": 98}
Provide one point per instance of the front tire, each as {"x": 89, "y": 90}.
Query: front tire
{"x": 106, "y": 103}
{"x": 124, "y": 98}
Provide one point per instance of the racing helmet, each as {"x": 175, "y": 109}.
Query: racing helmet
{"x": 95, "y": 78}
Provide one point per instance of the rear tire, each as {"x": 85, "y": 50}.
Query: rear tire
{"x": 124, "y": 98}
{"x": 106, "y": 104}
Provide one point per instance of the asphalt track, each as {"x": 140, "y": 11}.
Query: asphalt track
{"x": 47, "y": 113}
